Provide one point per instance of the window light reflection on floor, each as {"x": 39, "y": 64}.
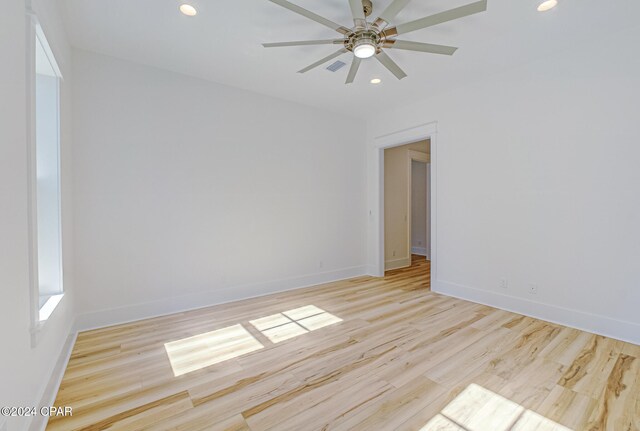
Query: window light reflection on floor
{"x": 479, "y": 409}
{"x": 291, "y": 323}
{"x": 202, "y": 350}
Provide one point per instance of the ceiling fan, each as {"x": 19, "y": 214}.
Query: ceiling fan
{"x": 367, "y": 39}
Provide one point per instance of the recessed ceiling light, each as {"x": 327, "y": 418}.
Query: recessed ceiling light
{"x": 547, "y": 5}
{"x": 376, "y": 81}
{"x": 188, "y": 10}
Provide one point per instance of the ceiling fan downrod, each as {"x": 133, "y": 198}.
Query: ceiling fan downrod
{"x": 367, "y": 6}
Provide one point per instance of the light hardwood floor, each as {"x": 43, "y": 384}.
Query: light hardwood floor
{"x": 363, "y": 354}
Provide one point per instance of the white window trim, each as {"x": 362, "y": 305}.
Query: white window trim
{"x": 35, "y": 33}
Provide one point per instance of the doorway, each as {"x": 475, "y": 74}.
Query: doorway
{"x": 389, "y": 139}
{"x": 406, "y": 204}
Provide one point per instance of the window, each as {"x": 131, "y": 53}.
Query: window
{"x": 46, "y": 205}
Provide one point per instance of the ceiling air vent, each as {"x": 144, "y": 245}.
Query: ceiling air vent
{"x": 334, "y": 67}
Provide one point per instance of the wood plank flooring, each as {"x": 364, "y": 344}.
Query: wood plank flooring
{"x": 362, "y": 354}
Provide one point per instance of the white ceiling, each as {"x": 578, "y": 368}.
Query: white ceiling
{"x": 223, "y": 43}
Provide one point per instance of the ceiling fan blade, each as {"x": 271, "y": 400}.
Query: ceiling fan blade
{"x": 312, "y": 16}
{"x": 357, "y": 10}
{"x": 439, "y": 18}
{"x": 419, "y": 46}
{"x": 324, "y": 60}
{"x": 390, "y": 12}
{"x": 355, "y": 64}
{"x": 304, "y": 42}
{"x": 387, "y": 62}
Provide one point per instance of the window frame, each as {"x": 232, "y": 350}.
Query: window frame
{"x": 35, "y": 34}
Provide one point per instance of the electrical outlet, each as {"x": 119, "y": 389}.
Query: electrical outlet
{"x": 533, "y": 288}
{"x": 504, "y": 283}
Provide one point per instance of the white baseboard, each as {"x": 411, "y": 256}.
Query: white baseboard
{"x": 39, "y": 422}
{"x": 397, "y": 263}
{"x": 420, "y": 251}
{"x": 374, "y": 271}
{"x": 594, "y": 323}
{"x": 132, "y": 313}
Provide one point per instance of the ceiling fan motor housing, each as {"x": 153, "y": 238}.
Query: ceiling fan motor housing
{"x": 363, "y": 36}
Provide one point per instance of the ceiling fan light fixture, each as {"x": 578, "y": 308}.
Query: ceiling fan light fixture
{"x": 364, "y": 48}
{"x": 547, "y": 5}
{"x": 188, "y": 10}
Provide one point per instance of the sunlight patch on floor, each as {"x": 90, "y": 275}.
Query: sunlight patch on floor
{"x": 291, "y": 323}
{"x": 302, "y": 312}
{"x": 479, "y": 409}
{"x": 441, "y": 423}
{"x": 202, "y": 350}
{"x": 531, "y": 421}
{"x": 319, "y": 321}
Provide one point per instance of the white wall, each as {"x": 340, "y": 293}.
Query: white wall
{"x": 418, "y": 206}
{"x": 25, "y": 372}
{"x": 190, "y": 193}
{"x": 537, "y": 182}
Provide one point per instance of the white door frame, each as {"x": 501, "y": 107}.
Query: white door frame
{"x": 428, "y": 220}
{"x": 395, "y": 139}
